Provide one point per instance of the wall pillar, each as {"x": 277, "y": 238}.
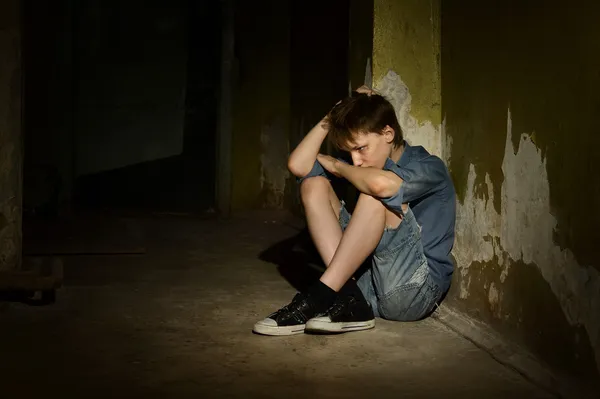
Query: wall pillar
{"x": 406, "y": 67}
{"x": 11, "y": 153}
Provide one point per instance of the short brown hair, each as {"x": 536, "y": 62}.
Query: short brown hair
{"x": 361, "y": 113}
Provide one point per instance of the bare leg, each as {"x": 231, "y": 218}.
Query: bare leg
{"x": 358, "y": 241}
{"x": 322, "y": 209}
{"x": 342, "y": 253}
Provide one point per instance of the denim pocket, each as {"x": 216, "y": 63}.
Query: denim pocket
{"x": 413, "y": 300}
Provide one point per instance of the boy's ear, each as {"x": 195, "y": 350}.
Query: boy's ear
{"x": 389, "y": 134}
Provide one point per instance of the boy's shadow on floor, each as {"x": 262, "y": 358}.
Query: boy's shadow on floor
{"x": 297, "y": 258}
{"x": 298, "y": 261}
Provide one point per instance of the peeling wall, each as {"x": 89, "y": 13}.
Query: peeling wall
{"x": 415, "y": 132}
{"x": 406, "y": 39}
{"x": 406, "y": 69}
{"x": 11, "y": 156}
{"x": 517, "y": 130}
{"x": 519, "y": 102}
{"x": 261, "y": 105}
{"x": 493, "y": 250}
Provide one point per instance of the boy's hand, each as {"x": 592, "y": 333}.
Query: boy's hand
{"x": 366, "y": 90}
{"x": 330, "y": 164}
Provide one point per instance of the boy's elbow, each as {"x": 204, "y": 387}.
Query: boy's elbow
{"x": 384, "y": 186}
{"x": 295, "y": 169}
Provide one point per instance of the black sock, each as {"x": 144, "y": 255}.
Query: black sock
{"x": 351, "y": 289}
{"x": 321, "y": 295}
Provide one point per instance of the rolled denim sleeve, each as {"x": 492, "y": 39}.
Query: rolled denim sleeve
{"x": 317, "y": 170}
{"x": 419, "y": 178}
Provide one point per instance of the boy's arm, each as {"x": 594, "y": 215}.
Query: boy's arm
{"x": 393, "y": 185}
{"x": 420, "y": 178}
{"x": 371, "y": 181}
{"x": 302, "y": 159}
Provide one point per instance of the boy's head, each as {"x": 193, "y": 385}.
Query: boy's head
{"x": 366, "y": 126}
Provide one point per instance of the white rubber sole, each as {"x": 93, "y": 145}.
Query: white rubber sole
{"x": 266, "y": 329}
{"x": 323, "y": 324}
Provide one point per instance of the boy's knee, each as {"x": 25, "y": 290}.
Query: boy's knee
{"x": 370, "y": 202}
{"x": 315, "y": 188}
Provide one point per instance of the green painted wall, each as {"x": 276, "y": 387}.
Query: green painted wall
{"x": 517, "y": 87}
{"x": 541, "y": 61}
{"x": 406, "y": 39}
{"x": 11, "y": 148}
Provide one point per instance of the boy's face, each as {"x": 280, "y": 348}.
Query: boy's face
{"x": 371, "y": 149}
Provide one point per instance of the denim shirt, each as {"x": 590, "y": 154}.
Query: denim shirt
{"x": 428, "y": 189}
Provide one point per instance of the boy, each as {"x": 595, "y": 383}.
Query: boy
{"x": 404, "y": 218}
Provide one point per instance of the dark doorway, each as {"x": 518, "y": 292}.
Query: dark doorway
{"x": 121, "y": 104}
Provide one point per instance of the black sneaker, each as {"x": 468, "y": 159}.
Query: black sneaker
{"x": 348, "y": 313}
{"x": 289, "y": 320}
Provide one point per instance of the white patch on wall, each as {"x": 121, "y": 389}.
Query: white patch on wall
{"x": 494, "y": 298}
{"x": 477, "y": 222}
{"x": 423, "y": 133}
{"x": 273, "y": 159}
{"x": 446, "y": 144}
{"x": 368, "y": 74}
{"x": 523, "y": 231}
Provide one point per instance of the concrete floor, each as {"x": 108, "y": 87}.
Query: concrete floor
{"x": 176, "y": 322}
